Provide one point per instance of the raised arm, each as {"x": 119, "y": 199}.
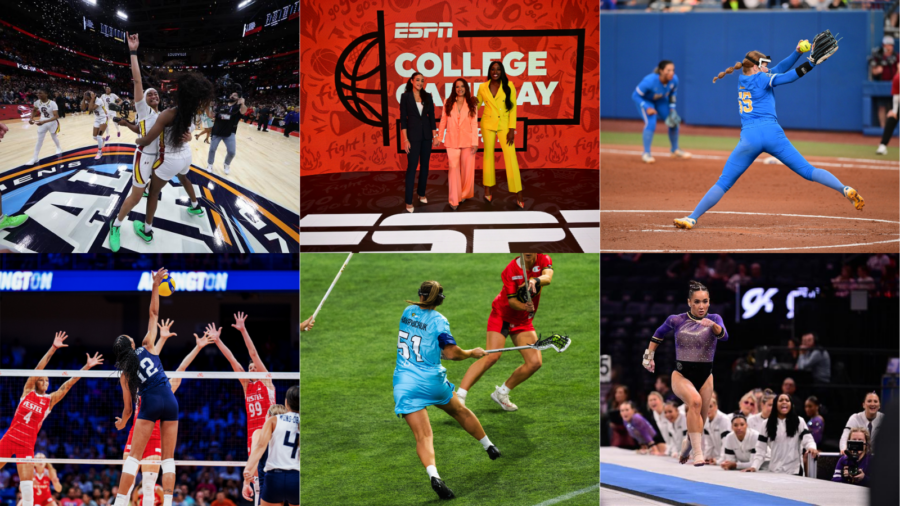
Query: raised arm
{"x": 126, "y": 398}
{"x": 262, "y": 444}
{"x": 787, "y": 63}
{"x": 164, "y": 335}
{"x": 201, "y": 342}
{"x": 133, "y": 44}
{"x": 57, "y": 343}
{"x": 150, "y": 339}
{"x": 215, "y": 334}
{"x": 239, "y": 324}
{"x": 58, "y": 395}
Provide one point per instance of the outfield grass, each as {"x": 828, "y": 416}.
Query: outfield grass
{"x": 719, "y": 143}
{"x": 354, "y": 450}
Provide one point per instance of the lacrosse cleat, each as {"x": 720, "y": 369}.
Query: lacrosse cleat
{"x": 443, "y": 491}
{"x": 685, "y": 223}
{"x": 854, "y": 197}
{"x": 503, "y": 400}
{"x": 493, "y": 452}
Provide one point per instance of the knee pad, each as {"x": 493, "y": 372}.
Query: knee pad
{"x": 149, "y": 481}
{"x": 27, "y": 489}
{"x": 131, "y": 466}
{"x": 168, "y": 466}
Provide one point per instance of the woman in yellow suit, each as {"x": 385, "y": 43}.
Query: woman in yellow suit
{"x": 498, "y": 122}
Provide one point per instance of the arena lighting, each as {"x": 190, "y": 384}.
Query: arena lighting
{"x": 121, "y": 14}
{"x": 92, "y": 2}
{"x": 244, "y": 4}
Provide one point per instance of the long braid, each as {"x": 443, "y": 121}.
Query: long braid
{"x": 127, "y": 363}
{"x": 729, "y": 70}
{"x": 746, "y": 64}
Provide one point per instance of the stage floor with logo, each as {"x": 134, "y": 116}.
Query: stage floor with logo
{"x": 71, "y": 199}
{"x": 365, "y": 211}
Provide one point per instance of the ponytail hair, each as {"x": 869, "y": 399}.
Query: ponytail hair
{"x": 127, "y": 363}
{"x": 409, "y": 85}
{"x": 292, "y": 398}
{"x": 433, "y": 293}
{"x": 662, "y": 65}
{"x": 696, "y": 286}
{"x": 746, "y": 64}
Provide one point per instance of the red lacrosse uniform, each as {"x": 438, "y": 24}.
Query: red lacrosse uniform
{"x": 42, "y": 495}
{"x": 19, "y": 439}
{"x": 259, "y": 398}
{"x": 505, "y": 319}
{"x": 153, "y": 445}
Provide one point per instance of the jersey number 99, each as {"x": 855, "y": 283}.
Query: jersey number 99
{"x": 149, "y": 370}
{"x": 744, "y": 102}
{"x": 403, "y": 348}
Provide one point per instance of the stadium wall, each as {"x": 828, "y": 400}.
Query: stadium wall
{"x": 703, "y": 44}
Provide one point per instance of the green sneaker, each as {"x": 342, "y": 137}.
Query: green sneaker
{"x": 196, "y": 211}
{"x": 13, "y": 221}
{"x": 146, "y": 194}
{"x": 114, "y": 242}
{"x": 139, "y": 230}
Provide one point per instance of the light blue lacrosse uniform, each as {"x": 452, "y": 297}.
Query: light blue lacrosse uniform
{"x": 760, "y": 132}
{"x": 419, "y": 378}
{"x": 661, "y": 97}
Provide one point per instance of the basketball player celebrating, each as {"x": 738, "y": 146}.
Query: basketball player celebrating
{"x": 93, "y": 103}
{"x": 258, "y": 394}
{"x": 512, "y": 316}
{"x": 44, "y": 474}
{"x": 47, "y": 113}
{"x": 280, "y": 437}
{"x": 34, "y": 406}
{"x": 153, "y": 449}
{"x": 109, "y": 99}
{"x": 142, "y": 374}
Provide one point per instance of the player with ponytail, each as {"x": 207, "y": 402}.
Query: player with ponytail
{"x": 760, "y": 131}
{"x": 421, "y": 381}
{"x": 655, "y": 97}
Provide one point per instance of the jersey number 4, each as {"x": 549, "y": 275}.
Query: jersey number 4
{"x": 744, "y": 102}
{"x": 149, "y": 370}
{"x": 403, "y": 347}
{"x": 292, "y": 444}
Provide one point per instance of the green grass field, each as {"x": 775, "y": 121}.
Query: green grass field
{"x": 721, "y": 143}
{"x": 354, "y": 450}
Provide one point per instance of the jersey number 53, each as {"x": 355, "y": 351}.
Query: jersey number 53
{"x": 745, "y": 104}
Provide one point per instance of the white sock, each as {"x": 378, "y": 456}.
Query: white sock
{"x": 193, "y": 203}
{"x": 117, "y": 223}
{"x": 167, "y": 500}
{"x": 485, "y": 442}
{"x": 148, "y": 228}
{"x": 696, "y": 443}
{"x": 55, "y": 140}
{"x": 462, "y": 392}
{"x": 147, "y": 484}
{"x": 27, "y": 488}
{"x": 432, "y": 472}
{"x": 100, "y": 141}
{"x": 121, "y": 500}
{"x": 504, "y": 389}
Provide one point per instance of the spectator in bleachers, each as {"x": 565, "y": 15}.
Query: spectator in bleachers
{"x": 863, "y": 280}
{"x": 789, "y": 388}
{"x": 740, "y": 278}
{"x": 638, "y": 428}
{"x": 73, "y": 498}
{"x": 853, "y": 464}
{"x": 663, "y": 385}
{"x": 758, "y": 421}
{"x": 681, "y": 269}
{"x": 618, "y": 433}
{"x": 221, "y": 500}
{"x": 814, "y": 420}
{"x": 844, "y": 282}
{"x": 678, "y": 423}
{"x": 795, "y": 4}
{"x": 756, "y": 275}
{"x": 814, "y": 359}
{"x": 786, "y": 437}
{"x": 793, "y": 351}
{"x": 702, "y": 273}
{"x": 725, "y": 267}
{"x": 837, "y": 4}
{"x": 869, "y": 418}
{"x": 716, "y": 427}
{"x": 877, "y": 262}
{"x": 733, "y": 4}
{"x": 739, "y": 446}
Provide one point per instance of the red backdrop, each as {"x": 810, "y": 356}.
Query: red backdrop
{"x": 538, "y": 41}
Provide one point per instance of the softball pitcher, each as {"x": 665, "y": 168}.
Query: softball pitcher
{"x": 760, "y": 131}
{"x": 655, "y": 96}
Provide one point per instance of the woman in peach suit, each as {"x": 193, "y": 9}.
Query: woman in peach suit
{"x": 459, "y": 131}
{"x": 498, "y": 123}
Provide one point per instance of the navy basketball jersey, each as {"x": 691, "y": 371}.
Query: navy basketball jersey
{"x": 756, "y": 97}
{"x": 151, "y": 371}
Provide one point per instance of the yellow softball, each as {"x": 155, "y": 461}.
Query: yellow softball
{"x": 804, "y": 46}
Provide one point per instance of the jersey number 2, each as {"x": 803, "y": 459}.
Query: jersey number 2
{"x": 744, "y": 102}
{"x": 404, "y": 348}
{"x": 147, "y": 365}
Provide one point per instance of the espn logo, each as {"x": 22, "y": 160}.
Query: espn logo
{"x": 421, "y": 30}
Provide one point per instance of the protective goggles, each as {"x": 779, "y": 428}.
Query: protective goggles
{"x": 764, "y": 59}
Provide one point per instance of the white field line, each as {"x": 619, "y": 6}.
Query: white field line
{"x": 878, "y": 164}
{"x": 566, "y": 497}
{"x": 745, "y": 250}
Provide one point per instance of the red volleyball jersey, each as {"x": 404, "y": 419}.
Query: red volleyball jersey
{"x": 512, "y": 278}
{"x": 28, "y": 419}
{"x": 42, "y": 488}
{"x": 259, "y": 398}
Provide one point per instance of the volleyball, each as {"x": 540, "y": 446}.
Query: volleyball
{"x": 167, "y": 286}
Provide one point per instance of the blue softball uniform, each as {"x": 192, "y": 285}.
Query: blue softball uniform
{"x": 661, "y": 97}
{"x": 157, "y": 400}
{"x": 419, "y": 378}
{"x": 760, "y": 132}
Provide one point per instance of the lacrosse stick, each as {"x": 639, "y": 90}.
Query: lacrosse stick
{"x": 329, "y": 288}
{"x": 556, "y": 341}
{"x": 525, "y": 275}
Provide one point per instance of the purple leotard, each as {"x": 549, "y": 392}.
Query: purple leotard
{"x": 693, "y": 342}
{"x": 640, "y": 429}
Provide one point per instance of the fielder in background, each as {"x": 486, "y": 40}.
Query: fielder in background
{"x": 760, "y": 131}
{"x": 891, "y": 122}
{"x": 655, "y": 97}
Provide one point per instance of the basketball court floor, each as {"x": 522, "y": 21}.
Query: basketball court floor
{"x": 71, "y": 198}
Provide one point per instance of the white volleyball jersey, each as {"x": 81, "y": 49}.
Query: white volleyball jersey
{"x": 284, "y": 447}
{"x": 45, "y": 109}
{"x": 146, "y": 118}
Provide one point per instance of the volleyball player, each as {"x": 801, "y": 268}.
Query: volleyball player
{"x": 47, "y": 113}
{"x": 194, "y": 94}
{"x": 248, "y": 489}
{"x": 280, "y": 438}
{"x": 110, "y": 99}
{"x": 92, "y": 103}
{"x": 512, "y": 316}
{"x": 153, "y": 449}
{"x": 142, "y": 373}
{"x": 259, "y": 395}
{"x": 34, "y": 406}
{"x": 44, "y": 475}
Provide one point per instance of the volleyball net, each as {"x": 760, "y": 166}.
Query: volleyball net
{"x": 80, "y": 429}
